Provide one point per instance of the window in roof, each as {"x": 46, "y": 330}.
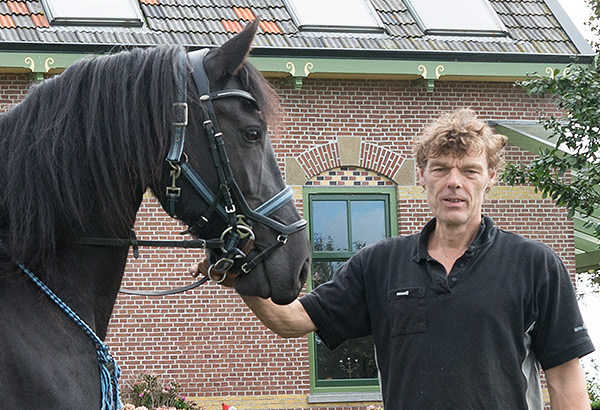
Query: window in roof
{"x": 93, "y": 12}
{"x": 334, "y": 15}
{"x": 450, "y": 17}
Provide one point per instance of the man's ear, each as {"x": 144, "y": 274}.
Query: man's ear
{"x": 492, "y": 180}
{"x": 421, "y": 177}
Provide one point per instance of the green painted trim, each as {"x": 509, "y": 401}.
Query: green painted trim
{"x": 410, "y": 69}
{"x": 588, "y": 261}
{"x": 298, "y": 68}
{"x": 344, "y": 386}
{"x": 36, "y": 62}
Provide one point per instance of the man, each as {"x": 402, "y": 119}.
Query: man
{"x": 463, "y": 313}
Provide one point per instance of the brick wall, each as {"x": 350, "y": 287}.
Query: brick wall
{"x": 206, "y": 339}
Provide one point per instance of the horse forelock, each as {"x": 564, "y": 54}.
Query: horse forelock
{"x": 268, "y": 101}
{"x": 78, "y": 152}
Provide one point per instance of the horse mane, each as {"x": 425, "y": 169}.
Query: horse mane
{"x": 71, "y": 150}
{"x": 83, "y": 146}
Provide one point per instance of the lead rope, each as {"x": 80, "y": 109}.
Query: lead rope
{"x": 109, "y": 369}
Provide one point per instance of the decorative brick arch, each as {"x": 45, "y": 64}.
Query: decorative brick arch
{"x": 350, "y": 151}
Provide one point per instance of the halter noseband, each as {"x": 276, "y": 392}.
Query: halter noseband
{"x": 239, "y": 225}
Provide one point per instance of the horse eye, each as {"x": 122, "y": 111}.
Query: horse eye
{"x": 253, "y": 134}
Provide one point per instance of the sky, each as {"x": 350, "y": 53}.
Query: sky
{"x": 579, "y": 13}
{"x": 590, "y": 304}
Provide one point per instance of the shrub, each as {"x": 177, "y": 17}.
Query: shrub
{"x": 151, "y": 393}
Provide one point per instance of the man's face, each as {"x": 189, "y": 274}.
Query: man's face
{"x": 456, "y": 186}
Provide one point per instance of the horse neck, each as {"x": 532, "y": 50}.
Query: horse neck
{"x": 95, "y": 274}
{"x": 87, "y": 277}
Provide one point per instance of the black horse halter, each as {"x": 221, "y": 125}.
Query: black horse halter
{"x": 239, "y": 225}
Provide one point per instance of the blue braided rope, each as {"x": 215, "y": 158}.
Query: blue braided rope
{"x": 109, "y": 369}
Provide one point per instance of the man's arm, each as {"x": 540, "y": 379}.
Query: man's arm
{"x": 286, "y": 320}
{"x": 567, "y": 387}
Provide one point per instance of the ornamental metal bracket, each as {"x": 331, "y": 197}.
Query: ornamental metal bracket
{"x": 428, "y": 80}
{"x": 297, "y": 79}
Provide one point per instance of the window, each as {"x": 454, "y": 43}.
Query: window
{"x": 339, "y": 15}
{"x": 451, "y": 17}
{"x": 93, "y": 12}
{"x": 343, "y": 221}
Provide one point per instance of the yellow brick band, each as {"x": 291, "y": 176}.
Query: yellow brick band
{"x": 495, "y": 193}
{"x": 264, "y": 402}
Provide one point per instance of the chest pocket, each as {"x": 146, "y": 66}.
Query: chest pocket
{"x": 406, "y": 309}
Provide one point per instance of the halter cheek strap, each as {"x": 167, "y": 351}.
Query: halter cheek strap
{"x": 221, "y": 202}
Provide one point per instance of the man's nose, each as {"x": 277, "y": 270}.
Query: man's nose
{"x": 454, "y": 178}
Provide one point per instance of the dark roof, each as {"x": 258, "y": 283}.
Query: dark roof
{"x": 534, "y": 28}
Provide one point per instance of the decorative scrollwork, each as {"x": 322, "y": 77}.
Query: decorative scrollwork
{"x": 31, "y": 62}
{"x": 47, "y": 63}
{"x": 290, "y": 66}
{"x": 307, "y": 67}
{"x": 438, "y": 71}
{"x": 423, "y": 70}
{"x": 550, "y": 72}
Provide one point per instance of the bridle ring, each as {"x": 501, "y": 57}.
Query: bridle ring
{"x": 242, "y": 230}
{"x": 213, "y": 279}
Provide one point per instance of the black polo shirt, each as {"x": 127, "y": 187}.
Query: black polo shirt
{"x": 468, "y": 340}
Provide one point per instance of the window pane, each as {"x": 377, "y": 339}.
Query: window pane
{"x": 353, "y": 359}
{"x": 330, "y": 226}
{"x": 368, "y": 223}
{"x": 93, "y": 11}
{"x": 323, "y": 271}
{"x": 333, "y": 13}
{"x": 447, "y": 15}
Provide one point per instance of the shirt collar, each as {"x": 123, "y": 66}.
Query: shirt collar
{"x": 485, "y": 235}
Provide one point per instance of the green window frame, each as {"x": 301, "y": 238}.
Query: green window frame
{"x": 334, "y": 254}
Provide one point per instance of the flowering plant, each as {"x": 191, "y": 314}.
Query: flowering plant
{"x": 150, "y": 393}
{"x": 374, "y": 407}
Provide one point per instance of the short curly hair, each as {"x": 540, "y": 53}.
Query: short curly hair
{"x": 460, "y": 133}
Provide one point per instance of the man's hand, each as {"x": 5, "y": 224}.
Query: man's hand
{"x": 202, "y": 269}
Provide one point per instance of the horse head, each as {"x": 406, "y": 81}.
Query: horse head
{"x": 248, "y": 206}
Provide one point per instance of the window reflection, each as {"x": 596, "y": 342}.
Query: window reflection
{"x": 330, "y": 226}
{"x": 368, "y": 223}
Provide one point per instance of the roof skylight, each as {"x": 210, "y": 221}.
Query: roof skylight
{"x": 456, "y": 17}
{"x": 339, "y": 15}
{"x": 93, "y": 12}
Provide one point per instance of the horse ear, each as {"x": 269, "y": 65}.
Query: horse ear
{"x": 227, "y": 59}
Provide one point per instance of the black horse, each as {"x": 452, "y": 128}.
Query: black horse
{"x": 76, "y": 157}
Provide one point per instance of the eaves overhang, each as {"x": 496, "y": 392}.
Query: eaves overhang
{"x": 297, "y": 64}
{"x": 532, "y": 136}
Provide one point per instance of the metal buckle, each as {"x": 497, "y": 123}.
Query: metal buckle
{"x": 173, "y": 192}
{"x": 180, "y": 112}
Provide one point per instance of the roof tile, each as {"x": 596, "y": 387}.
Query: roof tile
{"x": 7, "y": 21}
{"x": 18, "y": 7}
{"x": 270, "y": 27}
{"x": 531, "y": 27}
{"x": 232, "y": 26}
{"x": 39, "y": 20}
{"x": 244, "y": 13}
